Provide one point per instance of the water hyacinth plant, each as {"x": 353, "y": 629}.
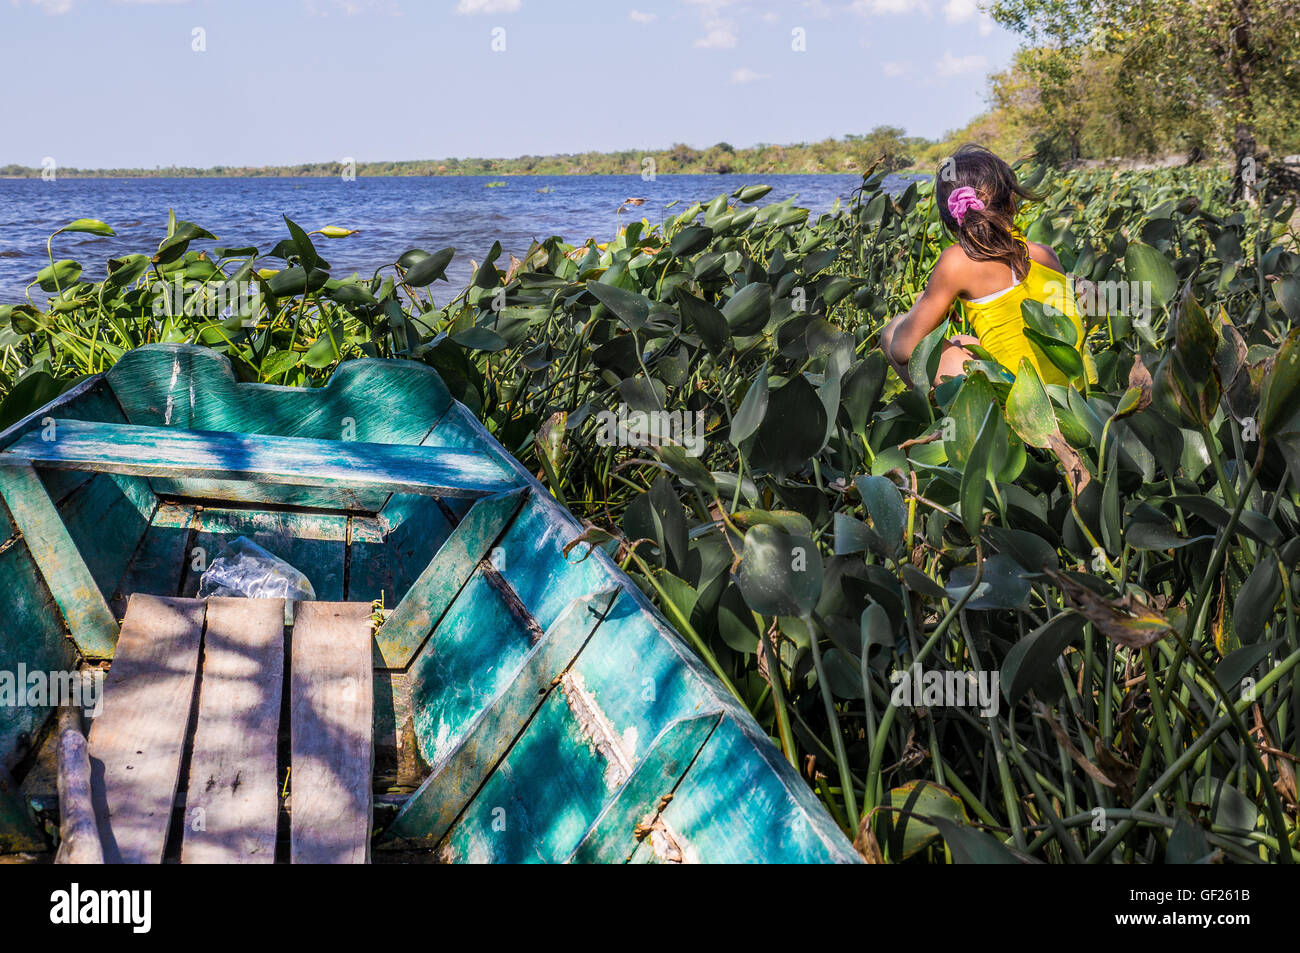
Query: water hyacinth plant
{"x": 1104, "y": 572}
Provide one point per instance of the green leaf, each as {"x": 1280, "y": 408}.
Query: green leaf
{"x": 91, "y": 225}
{"x": 971, "y": 846}
{"x": 843, "y": 675}
{"x": 293, "y": 281}
{"x": 793, "y": 429}
{"x": 628, "y": 306}
{"x": 1187, "y": 843}
{"x": 307, "y": 256}
{"x": 707, "y": 321}
{"x": 860, "y": 389}
{"x": 1065, "y": 358}
{"x": 34, "y": 391}
{"x": 780, "y": 574}
{"x": 904, "y": 834}
{"x": 1287, "y": 293}
{"x": 277, "y": 363}
{"x": 1235, "y": 666}
{"x": 1002, "y": 584}
{"x": 1256, "y": 599}
{"x": 479, "y": 339}
{"x": 1049, "y": 323}
{"x": 752, "y": 409}
{"x": 1031, "y": 663}
{"x": 884, "y": 504}
{"x": 1143, "y": 263}
{"x": 975, "y": 475}
{"x": 967, "y": 413}
{"x": 748, "y": 310}
{"x": 428, "y": 269}
{"x": 1029, "y": 412}
{"x": 321, "y": 354}
{"x": 61, "y": 274}
{"x": 1280, "y": 398}
{"x": 690, "y": 240}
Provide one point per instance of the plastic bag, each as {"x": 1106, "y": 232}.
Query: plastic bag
{"x": 246, "y": 569}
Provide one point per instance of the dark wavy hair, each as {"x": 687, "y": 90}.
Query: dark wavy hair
{"x": 986, "y": 234}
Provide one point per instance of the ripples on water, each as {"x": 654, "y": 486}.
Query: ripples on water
{"x": 390, "y": 214}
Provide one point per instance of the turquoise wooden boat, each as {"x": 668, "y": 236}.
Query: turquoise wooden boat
{"x": 521, "y": 703}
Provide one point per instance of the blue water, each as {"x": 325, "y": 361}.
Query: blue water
{"x": 390, "y": 214}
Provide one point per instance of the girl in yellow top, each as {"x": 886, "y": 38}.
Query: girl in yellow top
{"x": 991, "y": 269}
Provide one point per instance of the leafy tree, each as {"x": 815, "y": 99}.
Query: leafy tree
{"x": 1235, "y": 63}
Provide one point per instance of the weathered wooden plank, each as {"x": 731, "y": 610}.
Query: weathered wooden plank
{"x": 540, "y": 799}
{"x": 107, "y": 518}
{"x": 17, "y": 827}
{"x": 182, "y": 385}
{"x": 260, "y": 493}
{"x": 416, "y": 529}
{"x": 735, "y": 806}
{"x": 137, "y": 740}
{"x": 92, "y": 399}
{"x": 368, "y": 574}
{"x": 313, "y": 543}
{"x": 158, "y": 564}
{"x": 473, "y": 654}
{"x": 467, "y": 753}
{"x": 89, "y": 619}
{"x": 299, "y": 461}
{"x": 31, "y": 634}
{"x": 612, "y": 836}
{"x": 78, "y": 832}
{"x": 232, "y": 799}
{"x": 403, "y": 632}
{"x": 331, "y": 725}
{"x": 372, "y": 401}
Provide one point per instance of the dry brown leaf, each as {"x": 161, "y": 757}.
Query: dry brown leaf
{"x": 1124, "y": 621}
{"x": 1076, "y": 473}
{"x": 1140, "y": 378}
{"x": 1092, "y": 770}
{"x": 866, "y": 843}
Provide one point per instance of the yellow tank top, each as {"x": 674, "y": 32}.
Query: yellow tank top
{"x": 1000, "y": 327}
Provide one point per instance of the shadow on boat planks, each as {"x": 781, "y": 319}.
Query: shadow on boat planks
{"x": 632, "y": 682}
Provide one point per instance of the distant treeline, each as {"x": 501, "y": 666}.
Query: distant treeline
{"x": 853, "y": 153}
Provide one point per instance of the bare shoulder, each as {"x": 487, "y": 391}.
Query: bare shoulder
{"x": 1044, "y": 256}
{"x": 954, "y": 264}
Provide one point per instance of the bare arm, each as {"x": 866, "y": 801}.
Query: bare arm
{"x": 903, "y": 333}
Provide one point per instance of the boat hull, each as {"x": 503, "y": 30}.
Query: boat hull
{"x": 530, "y": 703}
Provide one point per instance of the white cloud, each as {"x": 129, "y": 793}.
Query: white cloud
{"x": 746, "y": 75}
{"x": 636, "y": 16}
{"x": 950, "y": 65}
{"x": 959, "y": 11}
{"x": 58, "y": 7}
{"x": 469, "y": 8}
{"x": 719, "y": 28}
{"x": 894, "y": 69}
{"x": 886, "y": 7}
{"x": 963, "y": 11}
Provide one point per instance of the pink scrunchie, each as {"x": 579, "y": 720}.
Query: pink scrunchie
{"x": 963, "y": 200}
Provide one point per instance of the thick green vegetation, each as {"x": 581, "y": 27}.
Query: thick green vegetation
{"x": 1122, "y": 557}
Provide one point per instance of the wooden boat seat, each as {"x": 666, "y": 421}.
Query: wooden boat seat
{"x": 297, "y": 461}
{"x": 230, "y": 653}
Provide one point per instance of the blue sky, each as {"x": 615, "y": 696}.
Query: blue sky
{"x": 115, "y": 83}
